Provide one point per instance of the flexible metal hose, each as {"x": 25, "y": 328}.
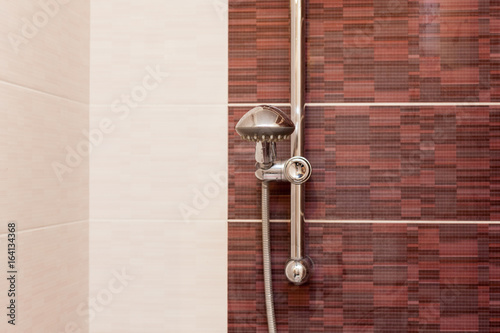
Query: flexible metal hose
{"x": 266, "y": 251}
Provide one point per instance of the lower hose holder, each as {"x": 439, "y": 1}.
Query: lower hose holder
{"x": 298, "y": 271}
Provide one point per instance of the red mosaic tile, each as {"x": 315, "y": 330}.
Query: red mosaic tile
{"x": 377, "y": 51}
{"x": 384, "y": 163}
{"x": 367, "y": 282}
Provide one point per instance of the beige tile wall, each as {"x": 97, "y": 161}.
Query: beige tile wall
{"x": 174, "y": 276}
{"x": 52, "y": 280}
{"x": 159, "y": 162}
{"x": 45, "y": 46}
{"x": 187, "y": 39}
{"x": 37, "y": 133}
{"x": 44, "y": 95}
{"x": 158, "y": 191}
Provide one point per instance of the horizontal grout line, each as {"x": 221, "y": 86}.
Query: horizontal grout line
{"x": 161, "y": 105}
{"x": 52, "y": 226}
{"x": 409, "y": 104}
{"x": 154, "y": 221}
{"x": 375, "y": 104}
{"x": 234, "y": 105}
{"x": 258, "y": 221}
{"x": 372, "y": 221}
{"x": 15, "y": 85}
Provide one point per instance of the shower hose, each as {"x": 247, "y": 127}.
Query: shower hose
{"x": 266, "y": 251}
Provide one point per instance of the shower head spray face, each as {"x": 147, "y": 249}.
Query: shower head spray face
{"x": 265, "y": 123}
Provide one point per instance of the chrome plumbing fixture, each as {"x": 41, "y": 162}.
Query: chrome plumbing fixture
{"x": 266, "y": 125}
{"x": 299, "y": 265}
{"x": 258, "y": 125}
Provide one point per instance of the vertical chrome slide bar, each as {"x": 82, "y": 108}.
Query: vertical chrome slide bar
{"x": 298, "y": 267}
{"x": 297, "y": 115}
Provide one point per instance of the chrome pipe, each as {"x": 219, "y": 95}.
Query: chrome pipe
{"x": 297, "y": 75}
{"x": 299, "y": 266}
{"x": 297, "y": 116}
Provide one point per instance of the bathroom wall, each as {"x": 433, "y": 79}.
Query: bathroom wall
{"x": 402, "y": 131}
{"x": 44, "y": 80}
{"x": 158, "y": 184}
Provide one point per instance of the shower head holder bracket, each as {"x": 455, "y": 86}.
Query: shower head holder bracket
{"x": 296, "y": 170}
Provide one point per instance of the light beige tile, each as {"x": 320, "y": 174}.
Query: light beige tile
{"x": 187, "y": 39}
{"x": 53, "y": 57}
{"x": 36, "y": 131}
{"x": 161, "y": 163}
{"x": 52, "y": 280}
{"x": 176, "y": 276}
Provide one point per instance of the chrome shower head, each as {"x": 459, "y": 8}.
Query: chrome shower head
{"x": 265, "y": 123}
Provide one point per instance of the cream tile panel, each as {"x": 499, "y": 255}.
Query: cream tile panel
{"x": 174, "y": 276}
{"x": 160, "y": 163}
{"x": 37, "y": 131}
{"x": 186, "y": 39}
{"x": 52, "y": 280}
{"x": 45, "y": 46}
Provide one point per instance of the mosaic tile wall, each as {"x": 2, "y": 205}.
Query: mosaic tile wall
{"x": 400, "y": 51}
{"x": 372, "y": 278}
{"x": 406, "y": 157}
{"x": 368, "y": 51}
{"x": 438, "y": 163}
